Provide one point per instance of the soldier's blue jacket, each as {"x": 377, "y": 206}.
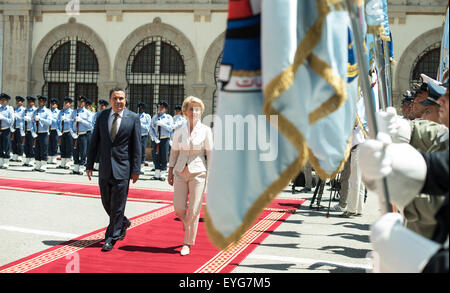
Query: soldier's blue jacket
{"x": 45, "y": 120}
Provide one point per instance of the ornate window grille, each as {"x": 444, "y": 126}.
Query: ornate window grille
{"x": 155, "y": 72}
{"x": 216, "y": 80}
{"x": 426, "y": 63}
{"x": 71, "y": 69}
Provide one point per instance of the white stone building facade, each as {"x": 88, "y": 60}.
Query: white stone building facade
{"x": 156, "y": 49}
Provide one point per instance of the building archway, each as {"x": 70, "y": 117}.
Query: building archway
{"x": 71, "y": 30}
{"x": 156, "y": 29}
{"x": 155, "y": 72}
{"x": 209, "y": 71}
{"x": 405, "y": 65}
{"x": 71, "y": 69}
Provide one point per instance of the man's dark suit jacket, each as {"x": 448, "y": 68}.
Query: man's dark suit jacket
{"x": 119, "y": 158}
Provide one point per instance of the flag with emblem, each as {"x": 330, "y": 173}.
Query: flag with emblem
{"x": 283, "y": 99}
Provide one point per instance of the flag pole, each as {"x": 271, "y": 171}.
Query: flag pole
{"x": 355, "y": 13}
{"x": 381, "y": 72}
{"x": 388, "y": 74}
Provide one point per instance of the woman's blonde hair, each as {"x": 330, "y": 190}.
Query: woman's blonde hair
{"x": 190, "y": 100}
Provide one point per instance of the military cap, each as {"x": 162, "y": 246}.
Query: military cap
{"x": 429, "y": 101}
{"x": 68, "y": 99}
{"x": 178, "y": 108}
{"x": 54, "y": 101}
{"x": 82, "y": 99}
{"x": 408, "y": 97}
{"x": 435, "y": 91}
{"x": 30, "y": 98}
{"x": 19, "y": 98}
{"x": 5, "y": 96}
{"x": 141, "y": 104}
{"x": 103, "y": 102}
{"x": 164, "y": 104}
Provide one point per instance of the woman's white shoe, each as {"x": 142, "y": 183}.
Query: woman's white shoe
{"x": 185, "y": 250}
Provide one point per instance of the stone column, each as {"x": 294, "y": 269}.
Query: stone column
{"x": 1, "y": 51}
{"x": 17, "y": 37}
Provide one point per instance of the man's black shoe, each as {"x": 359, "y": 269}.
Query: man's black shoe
{"x": 108, "y": 246}
{"x": 123, "y": 232}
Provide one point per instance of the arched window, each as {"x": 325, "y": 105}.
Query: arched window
{"x": 216, "y": 80}
{"x": 155, "y": 72}
{"x": 71, "y": 69}
{"x": 60, "y": 60}
{"x": 426, "y": 63}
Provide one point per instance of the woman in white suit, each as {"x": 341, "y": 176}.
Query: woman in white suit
{"x": 191, "y": 148}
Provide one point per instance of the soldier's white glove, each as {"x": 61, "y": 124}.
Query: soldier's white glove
{"x": 74, "y": 135}
{"x": 78, "y": 119}
{"x": 22, "y": 133}
{"x": 12, "y": 130}
{"x": 58, "y": 132}
{"x": 36, "y": 118}
{"x": 34, "y": 134}
{"x": 2, "y": 117}
{"x": 27, "y": 119}
{"x": 398, "y": 249}
{"x": 402, "y": 165}
{"x": 388, "y": 122}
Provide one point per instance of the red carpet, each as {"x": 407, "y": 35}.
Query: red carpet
{"x": 152, "y": 245}
{"x": 83, "y": 190}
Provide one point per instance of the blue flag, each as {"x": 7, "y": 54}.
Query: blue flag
{"x": 444, "y": 60}
{"x": 275, "y": 115}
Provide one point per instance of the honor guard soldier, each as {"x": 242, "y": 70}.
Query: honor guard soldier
{"x": 408, "y": 99}
{"x": 160, "y": 131}
{"x": 89, "y": 108}
{"x": 431, "y": 104}
{"x": 41, "y": 122}
{"x": 146, "y": 121}
{"x": 18, "y": 130}
{"x": 102, "y": 105}
{"x": 6, "y": 121}
{"x": 28, "y": 141}
{"x": 178, "y": 119}
{"x": 64, "y": 130}
{"x": 53, "y": 138}
{"x": 81, "y": 123}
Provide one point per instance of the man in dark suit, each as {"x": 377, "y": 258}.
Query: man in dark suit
{"x": 116, "y": 137}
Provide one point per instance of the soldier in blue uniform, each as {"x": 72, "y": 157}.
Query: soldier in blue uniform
{"x": 146, "y": 121}
{"x": 53, "y": 138}
{"x": 91, "y": 127}
{"x": 28, "y": 142}
{"x": 18, "y": 130}
{"x": 160, "y": 131}
{"x": 6, "y": 121}
{"x": 64, "y": 130}
{"x": 41, "y": 121}
{"x": 178, "y": 119}
{"x": 102, "y": 105}
{"x": 81, "y": 124}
